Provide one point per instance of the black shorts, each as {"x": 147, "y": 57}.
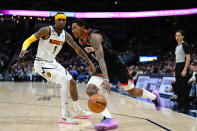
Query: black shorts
{"x": 117, "y": 69}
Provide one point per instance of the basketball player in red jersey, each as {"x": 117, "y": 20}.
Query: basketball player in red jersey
{"x": 97, "y": 45}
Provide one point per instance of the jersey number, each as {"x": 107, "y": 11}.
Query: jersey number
{"x": 54, "y": 49}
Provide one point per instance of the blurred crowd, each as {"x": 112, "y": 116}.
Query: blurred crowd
{"x": 156, "y": 39}
{"x": 24, "y": 70}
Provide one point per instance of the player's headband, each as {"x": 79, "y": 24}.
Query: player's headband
{"x": 60, "y": 16}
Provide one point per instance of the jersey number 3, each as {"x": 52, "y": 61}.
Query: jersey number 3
{"x": 55, "y": 48}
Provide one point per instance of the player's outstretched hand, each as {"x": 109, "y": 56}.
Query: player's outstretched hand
{"x": 106, "y": 84}
{"x": 22, "y": 53}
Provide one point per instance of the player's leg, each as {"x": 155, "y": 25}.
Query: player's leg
{"x": 108, "y": 122}
{"x": 78, "y": 112}
{"x": 120, "y": 72}
{"x": 64, "y": 78}
{"x": 50, "y": 72}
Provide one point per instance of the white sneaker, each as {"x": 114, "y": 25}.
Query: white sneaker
{"x": 81, "y": 114}
{"x": 67, "y": 119}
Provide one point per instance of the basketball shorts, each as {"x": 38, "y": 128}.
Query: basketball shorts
{"x": 116, "y": 69}
{"x": 51, "y": 71}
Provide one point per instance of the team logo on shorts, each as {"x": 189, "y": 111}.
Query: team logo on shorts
{"x": 48, "y": 74}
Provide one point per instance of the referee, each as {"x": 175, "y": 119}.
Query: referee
{"x": 182, "y": 53}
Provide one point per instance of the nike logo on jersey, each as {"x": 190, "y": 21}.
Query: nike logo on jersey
{"x": 56, "y": 42}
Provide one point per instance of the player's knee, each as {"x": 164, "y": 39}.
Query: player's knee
{"x": 92, "y": 89}
{"x": 135, "y": 92}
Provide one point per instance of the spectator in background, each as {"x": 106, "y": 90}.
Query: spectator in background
{"x": 192, "y": 81}
{"x": 81, "y": 78}
{"x": 74, "y": 73}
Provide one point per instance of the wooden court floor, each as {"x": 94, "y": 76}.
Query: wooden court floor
{"x": 36, "y": 107}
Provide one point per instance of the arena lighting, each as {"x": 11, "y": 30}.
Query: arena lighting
{"x": 148, "y": 58}
{"x": 139, "y": 14}
{"x": 25, "y": 13}
{"x": 34, "y": 13}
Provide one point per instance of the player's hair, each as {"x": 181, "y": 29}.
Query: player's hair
{"x": 181, "y": 31}
{"x": 80, "y": 22}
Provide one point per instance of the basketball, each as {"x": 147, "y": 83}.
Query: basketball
{"x": 97, "y": 103}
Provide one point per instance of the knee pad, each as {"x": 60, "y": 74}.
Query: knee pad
{"x": 92, "y": 89}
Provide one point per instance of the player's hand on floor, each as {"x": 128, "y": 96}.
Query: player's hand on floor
{"x": 22, "y": 53}
{"x": 106, "y": 84}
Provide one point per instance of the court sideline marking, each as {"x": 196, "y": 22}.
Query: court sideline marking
{"x": 145, "y": 120}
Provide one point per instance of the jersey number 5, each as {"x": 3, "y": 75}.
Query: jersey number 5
{"x": 55, "y": 48}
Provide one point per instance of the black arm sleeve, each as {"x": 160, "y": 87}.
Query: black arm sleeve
{"x": 186, "y": 48}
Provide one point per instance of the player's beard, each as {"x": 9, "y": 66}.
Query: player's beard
{"x": 61, "y": 27}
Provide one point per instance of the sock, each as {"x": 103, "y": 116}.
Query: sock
{"x": 63, "y": 93}
{"x": 149, "y": 95}
{"x": 106, "y": 114}
{"x": 76, "y": 105}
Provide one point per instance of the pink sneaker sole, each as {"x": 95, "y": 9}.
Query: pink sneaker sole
{"x": 159, "y": 106}
{"x": 82, "y": 117}
{"x": 108, "y": 124}
{"x": 64, "y": 122}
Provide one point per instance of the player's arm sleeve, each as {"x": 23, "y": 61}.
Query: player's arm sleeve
{"x": 28, "y": 42}
{"x": 42, "y": 32}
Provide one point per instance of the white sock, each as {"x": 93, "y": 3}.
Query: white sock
{"x": 106, "y": 113}
{"x": 76, "y": 105}
{"x": 63, "y": 93}
{"x": 149, "y": 95}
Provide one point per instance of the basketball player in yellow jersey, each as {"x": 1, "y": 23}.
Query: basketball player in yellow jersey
{"x": 51, "y": 40}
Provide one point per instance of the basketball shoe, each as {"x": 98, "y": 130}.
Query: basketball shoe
{"x": 106, "y": 124}
{"x": 81, "y": 114}
{"x": 67, "y": 119}
{"x": 157, "y": 101}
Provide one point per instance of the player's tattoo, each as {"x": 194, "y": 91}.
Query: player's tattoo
{"x": 43, "y": 32}
{"x": 95, "y": 42}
